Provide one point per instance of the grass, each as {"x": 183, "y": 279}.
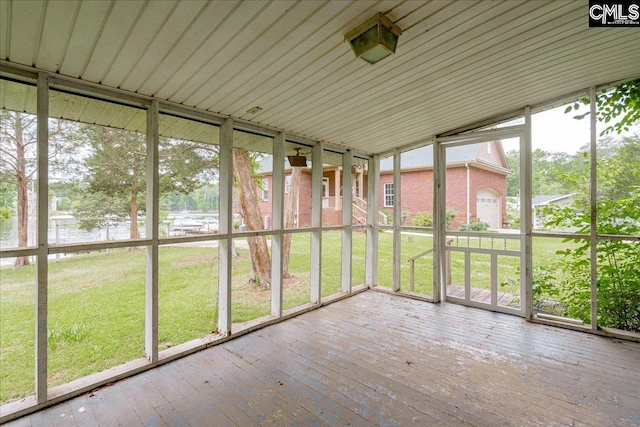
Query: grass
{"x": 97, "y": 301}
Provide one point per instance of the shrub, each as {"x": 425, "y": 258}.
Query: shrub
{"x": 474, "y": 225}
{"x": 423, "y": 219}
{"x": 618, "y": 280}
{"x": 5, "y": 214}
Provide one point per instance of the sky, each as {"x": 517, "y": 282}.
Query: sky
{"x": 555, "y": 131}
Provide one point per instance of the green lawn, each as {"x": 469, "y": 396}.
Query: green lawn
{"x": 97, "y": 300}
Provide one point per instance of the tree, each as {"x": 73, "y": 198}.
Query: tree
{"x": 250, "y": 210}
{"x": 622, "y": 103}
{"x": 290, "y": 217}
{"x": 549, "y": 173}
{"x": 18, "y": 167}
{"x": 618, "y": 197}
{"x": 115, "y": 171}
{"x": 114, "y": 168}
{"x": 18, "y": 147}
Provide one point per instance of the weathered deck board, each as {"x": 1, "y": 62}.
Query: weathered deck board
{"x": 380, "y": 359}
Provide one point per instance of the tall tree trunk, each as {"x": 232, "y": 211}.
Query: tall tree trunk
{"x": 290, "y": 217}
{"x": 134, "y": 233}
{"x": 250, "y": 209}
{"x": 23, "y": 196}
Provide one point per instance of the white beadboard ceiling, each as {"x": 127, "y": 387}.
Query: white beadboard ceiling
{"x": 457, "y": 62}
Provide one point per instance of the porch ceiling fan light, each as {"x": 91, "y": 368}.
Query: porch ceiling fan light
{"x": 297, "y": 160}
{"x": 374, "y": 39}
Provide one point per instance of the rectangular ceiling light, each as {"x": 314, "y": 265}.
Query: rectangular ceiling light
{"x": 374, "y": 39}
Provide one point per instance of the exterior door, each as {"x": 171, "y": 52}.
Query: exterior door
{"x": 488, "y": 208}
{"x": 479, "y": 268}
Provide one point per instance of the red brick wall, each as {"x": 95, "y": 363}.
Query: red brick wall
{"x": 481, "y": 179}
{"x": 304, "y": 202}
{"x": 417, "y": 194}
{"x": 417, "y": 191}
{"x": 457, "y": 194}
{"x": 330, "y": 216}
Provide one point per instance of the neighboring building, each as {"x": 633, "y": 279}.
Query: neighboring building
{"x": 476, "y": 183}
{"x": 476, "y": 186}
{"x": 538, "y": 203}
{"x": 331, "y": 197}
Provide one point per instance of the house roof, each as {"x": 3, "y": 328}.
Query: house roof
{"x": 457, "y": 62}
{"x": 423, "y": 157}
{"x": 546, "y": 199}
{"x": 331, "y": 159}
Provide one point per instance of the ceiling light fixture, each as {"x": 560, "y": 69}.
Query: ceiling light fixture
{"x": 298, "y": 160}
{"x": 254, "y": 110}
{"x": 374, "y": 39}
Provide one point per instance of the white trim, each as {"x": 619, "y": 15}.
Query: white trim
{"x": 225, "y": 227}
{"x": 371, "y": 263}
{"x": 397, "y": 219}
{"x": 265, "y": 189}
{"x": 316, "y": 222}
{"x": 387, "y": 186}
{"x": 593, "y": 196}
{"x": 277, "y": 239}
{"x": 42, "y": 267}
{"x": 152, "y": 228}
{"x": 347, "y": 219}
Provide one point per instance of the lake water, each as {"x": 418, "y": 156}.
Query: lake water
{"x": 65, "y": 229}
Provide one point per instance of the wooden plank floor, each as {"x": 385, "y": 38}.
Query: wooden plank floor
{"x": 379, "y": 359}
{"x": 483, "y": 295}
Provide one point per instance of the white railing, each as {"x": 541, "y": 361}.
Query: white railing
{"x": 492, "y": 244}
{"x": 361, "y": 205}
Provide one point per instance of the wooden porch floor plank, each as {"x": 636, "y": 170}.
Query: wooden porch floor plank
{"x": 323, "y": 395}
{"x": 502, "y": 387}
{"x": 506, "y": 323}
{"x": 503, "y": 339}
{"x": 285, "y": 388}
{"x": 263, "y": 398}
{"x": 360, "y": 396}
{"x": 399, "y": 368}
{"x": 376, "y": 383}
{"x": 380, "y": 359}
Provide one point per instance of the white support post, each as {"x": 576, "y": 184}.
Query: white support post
{"x": 337, "y": 202}
{"x": 526, "y": 217}
{"x": 277, "y": 216}
{"x": 593, "y": 195}
{"x": 152, "y": 226}
{"x": 437, "y": 255}
{"x": 441, "y": 225}
{"x": 225, "y": 227}
{"x": 373, "y": 187}
{"x": 316, "y": 223}
{"x": 397, "y": 219}
{"x": 42, "y": 237}
{"x": 347, "y": 217}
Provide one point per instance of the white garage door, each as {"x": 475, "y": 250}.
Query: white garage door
{"x": 488, "y": 208}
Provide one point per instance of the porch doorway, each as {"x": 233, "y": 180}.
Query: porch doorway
{"x": 481, "y": 260}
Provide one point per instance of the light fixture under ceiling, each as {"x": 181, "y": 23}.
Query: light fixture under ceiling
{"x": 298, "y": 160}
{"x": 374, "y": 39}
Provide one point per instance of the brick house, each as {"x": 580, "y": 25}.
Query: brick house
{"x": 476, "y": 186}
{"x": 476, "y": 183}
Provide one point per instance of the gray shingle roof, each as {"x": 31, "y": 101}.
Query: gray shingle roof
{"x": 545, "y": 198}
{"x": 423, "y": 157}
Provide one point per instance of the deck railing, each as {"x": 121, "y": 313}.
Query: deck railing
{"x": 360, "y": 205}
{"x": 412, "y": 262}
{"x": 492, "y": 244}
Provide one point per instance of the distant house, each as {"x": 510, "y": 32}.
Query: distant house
{"x": 476, "y": 183}
{"x": 538, "y": 203}
{"x": 476, "y": 186}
